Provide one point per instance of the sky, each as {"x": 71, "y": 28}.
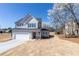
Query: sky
{"x": 12, "y": 12}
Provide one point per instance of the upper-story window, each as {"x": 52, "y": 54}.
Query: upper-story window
{"x": 19, "y": 24}
{"x": 32, "y": 25}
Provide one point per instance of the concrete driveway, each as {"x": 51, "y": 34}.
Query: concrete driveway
{"x": 4, "y": 46}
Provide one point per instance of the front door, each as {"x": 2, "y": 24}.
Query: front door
{"x": 34, "y": 35}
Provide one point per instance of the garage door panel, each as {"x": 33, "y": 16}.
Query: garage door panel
{"x": 23, "y": 36}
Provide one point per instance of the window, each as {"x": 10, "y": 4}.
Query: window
{"x": 19, "y": 24}
{"x": 29, "y": 25}
{"x": 32, "y": 25}
{"x": 45, "y": 32}
{"x": 39, "y": 33}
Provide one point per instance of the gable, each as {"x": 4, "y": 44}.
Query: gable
{"x": 24, "y": 20}
{"x": 33, "y": 20}
{"x": 28, "y": 18}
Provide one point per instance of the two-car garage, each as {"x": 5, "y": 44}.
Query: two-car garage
{"x": 21, "y": 35}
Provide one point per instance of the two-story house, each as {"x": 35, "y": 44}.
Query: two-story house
{"x": 29, "y": 27}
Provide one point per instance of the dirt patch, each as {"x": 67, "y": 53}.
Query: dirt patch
{"x": 5, "y": 37}
{"x": 74, "y": 40}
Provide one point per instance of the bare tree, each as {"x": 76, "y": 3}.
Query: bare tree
{"x": 56, "y": 16}
{"x": 62, "y": 12}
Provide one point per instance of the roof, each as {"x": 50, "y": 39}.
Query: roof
{"x": 45, "y": 29}
{"x": 26, "y": 19}
{"x": 24, "y": 30}
{"x": 27, "y": 30}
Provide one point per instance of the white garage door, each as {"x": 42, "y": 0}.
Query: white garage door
{"x": 23, "y": 36}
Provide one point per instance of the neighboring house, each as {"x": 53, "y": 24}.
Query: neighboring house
{"x": 4, "y": 30}
{"x": 29, "y": 27}
{"x": 71, "y": 28}
{"x": 0, "y": 30}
